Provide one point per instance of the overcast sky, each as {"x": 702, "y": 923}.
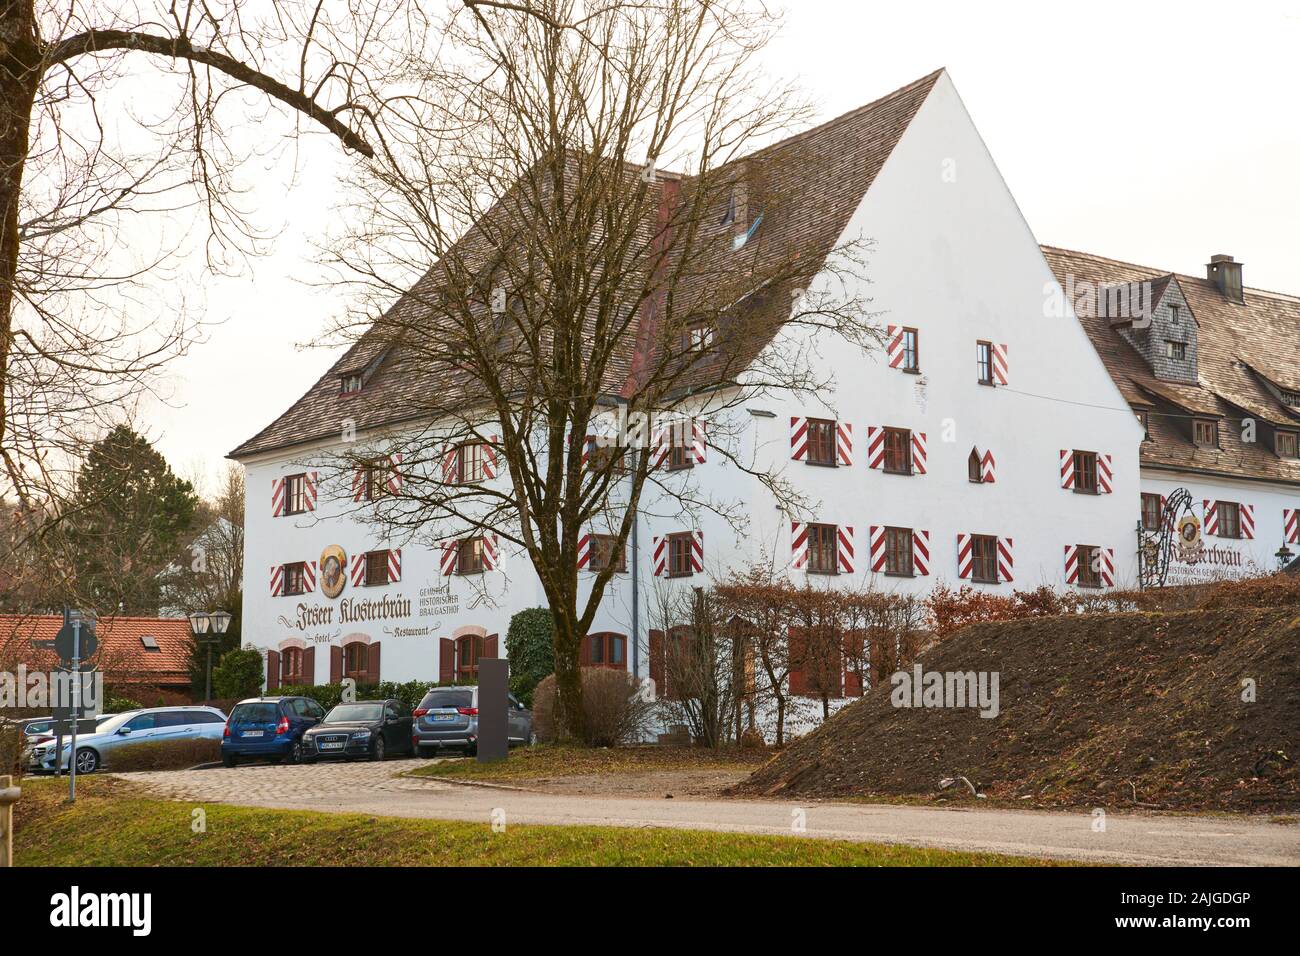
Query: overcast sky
{"x": 1153, "y": 132}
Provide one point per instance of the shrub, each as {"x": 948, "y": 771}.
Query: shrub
{"x": 530, "y": 648}
{"x": 164, "y": 755}
{"x": 119, "y": 705}
{"x": 1277, "y": 590}
{"x": 11, "y": 751}
{"x": 614, "y": 712}
{"x": 238, "y": 675}
{"x": 330, "y": 695}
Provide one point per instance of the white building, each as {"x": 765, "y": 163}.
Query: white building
{"x": 986, "y": 445}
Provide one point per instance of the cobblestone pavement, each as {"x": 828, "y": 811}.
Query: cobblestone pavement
{"x": 377, "y": 789}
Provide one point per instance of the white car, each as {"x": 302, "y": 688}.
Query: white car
{"x": 152, "y": 725}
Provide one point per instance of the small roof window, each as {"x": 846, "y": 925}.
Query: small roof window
{"x": 150, "y": 642}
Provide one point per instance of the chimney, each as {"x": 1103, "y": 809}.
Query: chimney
{"x": 1225, "y": 272}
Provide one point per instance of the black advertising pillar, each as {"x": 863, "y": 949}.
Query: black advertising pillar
{"x": 493, "y": 708}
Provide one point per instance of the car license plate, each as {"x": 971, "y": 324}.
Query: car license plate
{"x": 332, "y": 745}
{"x": 251, "y": 733}
{"x": 444, "y": 717}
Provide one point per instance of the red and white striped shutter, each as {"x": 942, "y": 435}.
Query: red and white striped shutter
{"x": 798, "y": 438}
{"x": 449, "y": 553}
{"x": 875, "y": 446}
{"x": 1108, "y": 567}
{"x": 491, "y": 552}
{"x": 309, "y": 577}
{"x": 1291, "y": 525}
{"x": 1105, "y": 474}
{"x": 799, "y": 544}
{"x": 988, "y": 468}
{"x": 1000, "y": 363}
{"x": 1006, "y": 559}
{"x": 309, "y": 492}
{"x": 588, "y": 443}
{"x": 697, "y": 552}
{"x": 921, "y": 553}
{"x": 490, "y": 456}
{"x": 659, "y": 548}
{"x": 699, "y": 440}
{"x": 394, "y": 564}
{"x": 358, "y": 484}
{"x": 918, "y": 453}
{"x": 894, "y": 345}
{"x": 277, "y": 497}
{"x": 450, "y": 465}
{"x": 876, "y": 545}
{"x": 662, "y": 446}
{"x": 277, "y": 580}
{"x": 844, "y": 443}
{"x": 844, "y": 548}
{"x": 358, "y": 570}
{"x": 1247, "y": 521}
{"x": 965, "y": 556}
{"x": 584, "y": 552}
{"x": 395, "y": 473}
{"x": 1067, "y": 468}
{"x": 1210, "y": 516}
{"x": 1071, "y": 564}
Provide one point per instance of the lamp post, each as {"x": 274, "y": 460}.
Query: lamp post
{"x": 207, "y": 628}
{"x": 1284, "y": 556}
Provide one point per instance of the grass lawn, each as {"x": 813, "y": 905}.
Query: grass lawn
{"x": 561, "y": 761}
{"x": 112, "y": 826}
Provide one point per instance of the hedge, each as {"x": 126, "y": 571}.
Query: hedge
{"x": 330, "y": 695}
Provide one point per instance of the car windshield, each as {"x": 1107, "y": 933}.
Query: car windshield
{"x": 259, "y": 713}
{"x": 447, "y": 697}
{"x": 346, "y": 713}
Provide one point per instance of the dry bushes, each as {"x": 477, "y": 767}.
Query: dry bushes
{"x": 614, "y": 711}
{"x": 164, "y": 755}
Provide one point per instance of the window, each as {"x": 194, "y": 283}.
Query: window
{"x": 1205, "y": 433}
{"x": 911, "y": 351}
{"x": 150, "y": 643}
{"x": 898, "y": 551}
{"x": 602, "y": 457}
{"x": 469, "y": 556}
{"x": 822, "y": 551}
{"x": 898, "y": 447}
{"x": 974, "y": 467}
{"x": 603, "y": 553}
{"x": 821, "y": 442}
{"x": 295, "y": 578}
{"x": 469, "y": 649}
{"x": 376, "y": 568}
{"x": 291, "y": 666}
{"x": 1291, "y": 398}
{"x": 984, "y": 558}
{"x": 1173, "y": 314}
{"x": 1176, "y": 350}
{"x": 356, "y": 661}
{"x": 350, "y": 384}
{"x": 679, "y": 555}
{"x": 1152, "y": 512}
{"x": 607, "y": 650}
{"x": 1089, "y": 566}
{"x": 1229, "y": 513}
{"x": 679, "y": 455}
{"x": 471, "y": 462}
{"x": 1085, "y": 472}
{"x": 1286, "y": 444}
{"x": 984, "y": 362}
{"x": 295, "y": 494}
{"x": 376, "y": 477}
{"x": 697, "y": 337}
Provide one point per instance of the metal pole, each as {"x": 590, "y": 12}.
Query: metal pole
{"x": 207, "y": 687}
{"x": 8, "y": 797}
{"x": 76, "y": 711}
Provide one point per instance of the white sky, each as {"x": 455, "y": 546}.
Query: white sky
{"x": 1155, "y": 132}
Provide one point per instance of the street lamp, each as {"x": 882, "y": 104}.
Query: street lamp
{"x": 1284, "y": 556}
{"x": 207, "y": 628}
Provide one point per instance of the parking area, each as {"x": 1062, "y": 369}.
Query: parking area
{"x": 297, "y": 785}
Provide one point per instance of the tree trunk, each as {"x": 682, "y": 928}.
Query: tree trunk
{"x": 780, "y": 721}
{"x": 568, "y": 677}
{"x": 20, "y": 74}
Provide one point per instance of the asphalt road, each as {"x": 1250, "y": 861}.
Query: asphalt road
{"x": 377, "y": 789}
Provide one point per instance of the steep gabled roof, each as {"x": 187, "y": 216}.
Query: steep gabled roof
{"x": 838, "y": 162}
{"x": 1236, "y": 343}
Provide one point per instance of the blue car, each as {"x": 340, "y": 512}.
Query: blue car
{"x": 270, "y": 728}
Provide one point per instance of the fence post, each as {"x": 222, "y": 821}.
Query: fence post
{"x": 8, "y": 797}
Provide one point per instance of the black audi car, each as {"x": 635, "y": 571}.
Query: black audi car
{"x": 366, "y": 729}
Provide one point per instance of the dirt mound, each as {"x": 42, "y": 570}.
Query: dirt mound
{"x": 1113, "y": 710}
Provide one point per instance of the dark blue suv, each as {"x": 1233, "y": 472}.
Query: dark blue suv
{"x": 270, "y": 727}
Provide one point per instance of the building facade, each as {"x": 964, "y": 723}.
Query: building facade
{"x": 993, "y": 440}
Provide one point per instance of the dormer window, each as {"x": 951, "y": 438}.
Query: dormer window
{"x": 1176, "y": 351}
{"x": 1287, "y": 444}
{"x": 697, "y": 337}
{"x": 1205, "y": 432}
{"x": 1173, "y": 314}
{"x": 350, "y": 383}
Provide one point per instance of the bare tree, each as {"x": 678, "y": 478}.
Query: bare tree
{"x": 586, "y": 307}
{"x": 696, "y": 658}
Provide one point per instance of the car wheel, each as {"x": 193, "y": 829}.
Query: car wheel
{"x": 532, "y": 738}
{"x": 229, "y": 760}
{"x": 295, "y": 752}
{"x": 471, "y": 751}
{"x": 377, "y": 749}
{"x": 87, "y": 760}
